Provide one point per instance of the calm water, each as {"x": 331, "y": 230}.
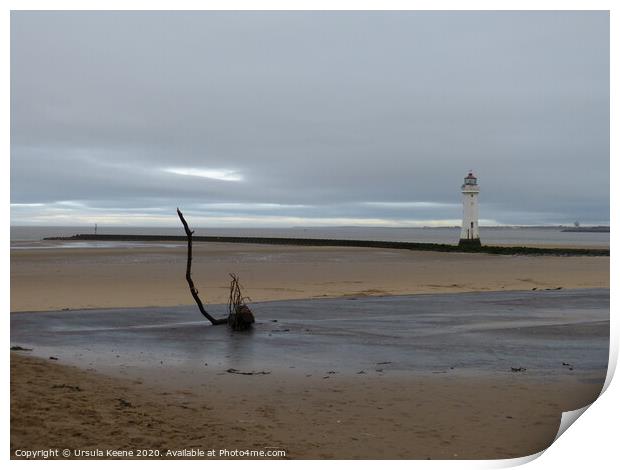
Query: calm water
{"x": 446, "y": 333}
{"x": 31, "y": 237}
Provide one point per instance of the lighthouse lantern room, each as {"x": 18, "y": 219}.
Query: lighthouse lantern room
{"x": 470, "y": 233}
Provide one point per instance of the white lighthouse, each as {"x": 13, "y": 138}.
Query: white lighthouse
{"x": 470, "y": 234}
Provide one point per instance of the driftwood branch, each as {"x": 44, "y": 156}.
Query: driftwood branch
{"x": 240, "y": 317}
{"x": 188, "y": 275}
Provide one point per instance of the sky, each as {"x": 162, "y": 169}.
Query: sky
{"x": 280, "y": 119}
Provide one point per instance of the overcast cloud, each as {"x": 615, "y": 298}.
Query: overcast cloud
{"x": 308, "y": 118}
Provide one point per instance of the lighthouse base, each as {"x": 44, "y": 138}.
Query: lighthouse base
{"x": 469, "y": 243}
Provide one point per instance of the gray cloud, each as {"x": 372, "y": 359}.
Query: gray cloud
{"x": 348, "y": 117}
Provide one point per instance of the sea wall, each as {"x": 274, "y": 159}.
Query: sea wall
{"x": 498, "y": 250}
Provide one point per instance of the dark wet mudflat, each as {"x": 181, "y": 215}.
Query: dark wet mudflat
{"x": 548, "y": 333}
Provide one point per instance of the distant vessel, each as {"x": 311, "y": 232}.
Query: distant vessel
{"x": 470, "y": 233}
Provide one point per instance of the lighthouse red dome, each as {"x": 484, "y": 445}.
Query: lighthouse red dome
{"x": 470, "y": 179}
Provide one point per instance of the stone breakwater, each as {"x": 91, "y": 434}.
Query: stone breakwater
{"x": 498, "y": 250}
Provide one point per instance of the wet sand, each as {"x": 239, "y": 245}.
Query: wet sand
{"x": 464, "y": 333}
{"x": 77, "y": 278}
{"x": 396, "y": 377}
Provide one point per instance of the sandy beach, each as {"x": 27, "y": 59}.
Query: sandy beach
{"x": 155, "y": 276}
{"x": 364, "y": 417}
{"x": 114, "y": 405}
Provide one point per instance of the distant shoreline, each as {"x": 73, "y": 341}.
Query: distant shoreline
{"x": 417, "y": 246}
{"x": 598, "y": 229}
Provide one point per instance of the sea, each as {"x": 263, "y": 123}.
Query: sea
{"x": 31, "y": 237}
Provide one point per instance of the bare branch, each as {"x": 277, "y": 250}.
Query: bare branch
{"x": 188, "y": 275}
